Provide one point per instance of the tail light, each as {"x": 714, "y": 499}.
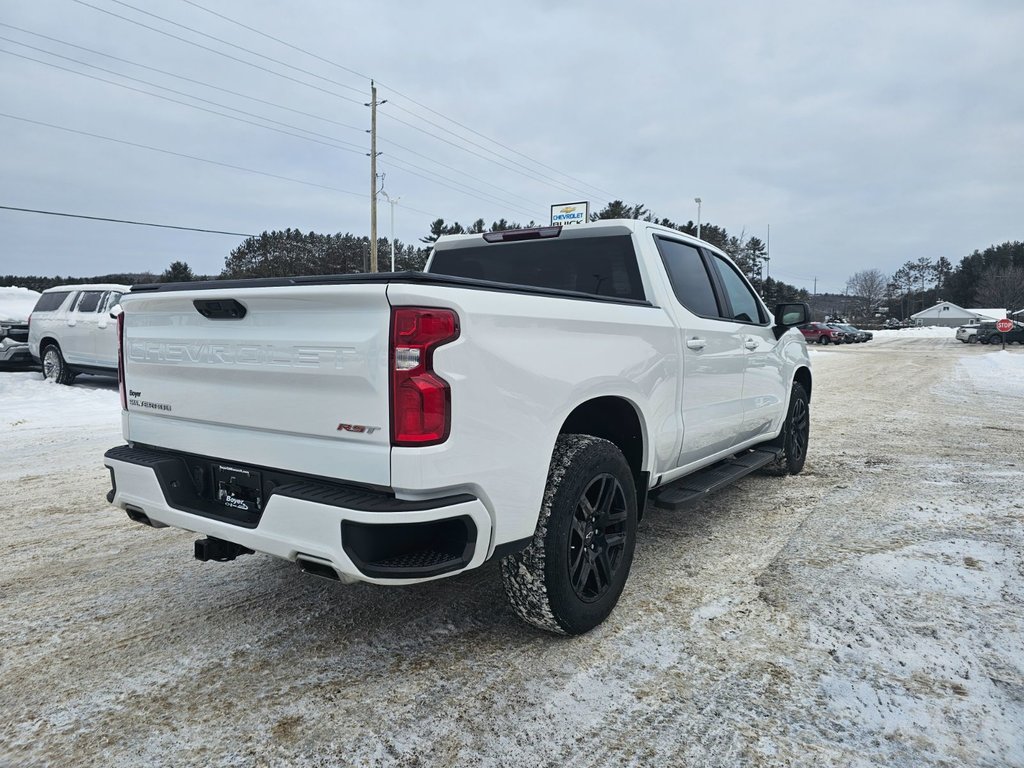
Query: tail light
{"x": 420, "y": 399}
{"x": 120, "y": 361}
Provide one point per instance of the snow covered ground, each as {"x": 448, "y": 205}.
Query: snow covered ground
{"x": 868, "y": 612}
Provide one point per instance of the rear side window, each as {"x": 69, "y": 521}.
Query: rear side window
{"x": 602, "y": 266}
{"x": 50, "y": 301}
{"x": 689, "y": 277}
{"x": 90, "y": 301}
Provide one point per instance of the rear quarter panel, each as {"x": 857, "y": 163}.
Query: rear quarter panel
{"x": 519, "y": 367}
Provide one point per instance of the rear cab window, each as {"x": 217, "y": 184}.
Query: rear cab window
{"x": 602, "y": 265}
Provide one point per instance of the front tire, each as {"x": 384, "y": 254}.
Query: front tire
{"x": 823, "y": 339}
{"x": 54, "y": 367}
{"x": 796, "y": 433}
{"x": 571, "y": 575}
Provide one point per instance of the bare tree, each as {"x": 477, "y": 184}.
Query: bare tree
{"x": 1001, "y": 287}
{"x": 870, "y": 287}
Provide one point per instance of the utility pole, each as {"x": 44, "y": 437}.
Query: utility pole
{"x": 373, "y": 176}
{"x": 815, "y": 287}
{"x": 697, "y": 200}
{"x": 393, "y": 203}
{"x": 768, "y": 255}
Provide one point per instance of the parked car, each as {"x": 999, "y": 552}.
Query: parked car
{"x": 71, "y": 331}
{"x": 15, "y": 306}
{"x": 968, "y": 334}
{"x": 987, "y": 334}
{"x": 516, "y": 401}
{"x": 853, "y": 334}
{"x": 821, "y": 333}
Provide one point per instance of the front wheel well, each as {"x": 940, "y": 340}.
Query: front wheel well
{"x": 802, "y": 376}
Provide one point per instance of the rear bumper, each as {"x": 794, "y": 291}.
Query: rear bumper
{"x": 362, "y": 535}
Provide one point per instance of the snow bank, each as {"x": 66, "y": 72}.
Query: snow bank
{"x": 1000, "y": 372}
{"x": 923, "y": 332}
{"x": 30, "y": 406}
{"x": 16, "y": 304}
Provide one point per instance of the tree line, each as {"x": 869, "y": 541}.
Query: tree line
{"x": 990, "y": 278}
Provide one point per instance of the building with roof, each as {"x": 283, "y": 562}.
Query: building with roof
{"x": 946, "y": 313}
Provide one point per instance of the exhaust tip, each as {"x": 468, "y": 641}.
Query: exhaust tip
{"x": 136, "y": 514}
{"x": 317, "y": 568}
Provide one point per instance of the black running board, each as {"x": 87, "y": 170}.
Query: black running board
{"x": 693, "y": 488}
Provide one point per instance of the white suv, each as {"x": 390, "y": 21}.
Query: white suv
{"x": 71, "y": 330}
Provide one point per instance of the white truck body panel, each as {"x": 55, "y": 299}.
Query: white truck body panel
{"x": 272, "y": 388}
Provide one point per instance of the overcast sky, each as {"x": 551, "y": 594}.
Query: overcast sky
{"x": 864, "y": 133}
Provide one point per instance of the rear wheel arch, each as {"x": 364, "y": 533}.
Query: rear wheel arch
{"x": 618, "y": 421}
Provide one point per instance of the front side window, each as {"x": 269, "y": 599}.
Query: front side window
{"x": 688, "y": 276}
{"x": 745, "y": 306}
{"x": 89, "y": 301}
{"x": 113, "y": 299}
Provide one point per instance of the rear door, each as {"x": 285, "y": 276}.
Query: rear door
{"x": 292, "y": 377}
{"x": 79, "y": 338}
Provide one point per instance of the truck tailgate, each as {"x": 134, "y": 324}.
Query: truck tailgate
{"x": 299, "y": 383}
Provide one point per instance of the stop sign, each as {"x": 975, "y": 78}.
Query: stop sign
{"x": 1004, "y": 325}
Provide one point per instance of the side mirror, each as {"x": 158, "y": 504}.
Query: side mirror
{"x": 788, "y": 315}
{"x": 115, "y": 311}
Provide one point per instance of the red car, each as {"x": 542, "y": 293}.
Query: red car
{"x": 822, "y": 334}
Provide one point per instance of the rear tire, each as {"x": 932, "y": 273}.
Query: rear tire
{"x": 571, "y": 576}
{"x": 54, "y": 367}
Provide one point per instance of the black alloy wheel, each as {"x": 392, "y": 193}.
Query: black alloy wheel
{"x": 597, "y": 538}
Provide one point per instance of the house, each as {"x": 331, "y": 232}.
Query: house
{"x": 951, "y": 315}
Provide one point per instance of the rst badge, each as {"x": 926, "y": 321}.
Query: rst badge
{"x": 358, "y": 429}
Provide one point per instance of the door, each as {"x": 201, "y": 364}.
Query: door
{"x": 78, "y": 342}
{"x": 106, "y": 331}
{"x": 711, "y": 348}
{"x": 765, "y": 388}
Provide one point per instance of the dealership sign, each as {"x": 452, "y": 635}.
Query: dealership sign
{"x": 570, "y": 213}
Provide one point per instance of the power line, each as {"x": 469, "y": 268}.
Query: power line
{"x": 124, "y": 221}
{"x": 460, "y": 188}
{"x": 179, "y": 154}
{"x": 413, "y": 152}
{"x": 219, "y": 53}
{"x": 397, "y": 92}
{"x": 332, "y": 142}
{"x": 232, "y": 45}
{"x": 251, "y": 114}
{"x": 176, "y": 76}
{"x": 475, "y": 154}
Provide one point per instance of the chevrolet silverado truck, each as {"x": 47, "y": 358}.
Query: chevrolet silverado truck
{"x": 520, "y": 400}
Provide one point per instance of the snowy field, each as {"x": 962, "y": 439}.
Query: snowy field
{"x": 869, "y": 612}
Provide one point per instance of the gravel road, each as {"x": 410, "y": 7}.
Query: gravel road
{"x": 869, "y": 612}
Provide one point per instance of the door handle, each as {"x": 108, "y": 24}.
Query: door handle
{"x": 750, "y": 344}
{"x": 695, "y": 343}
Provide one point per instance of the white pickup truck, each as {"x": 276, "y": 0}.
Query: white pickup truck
{"x": 520, "y": 399}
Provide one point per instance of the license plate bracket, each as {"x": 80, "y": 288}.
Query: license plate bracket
{"x": 238, "y": 489}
